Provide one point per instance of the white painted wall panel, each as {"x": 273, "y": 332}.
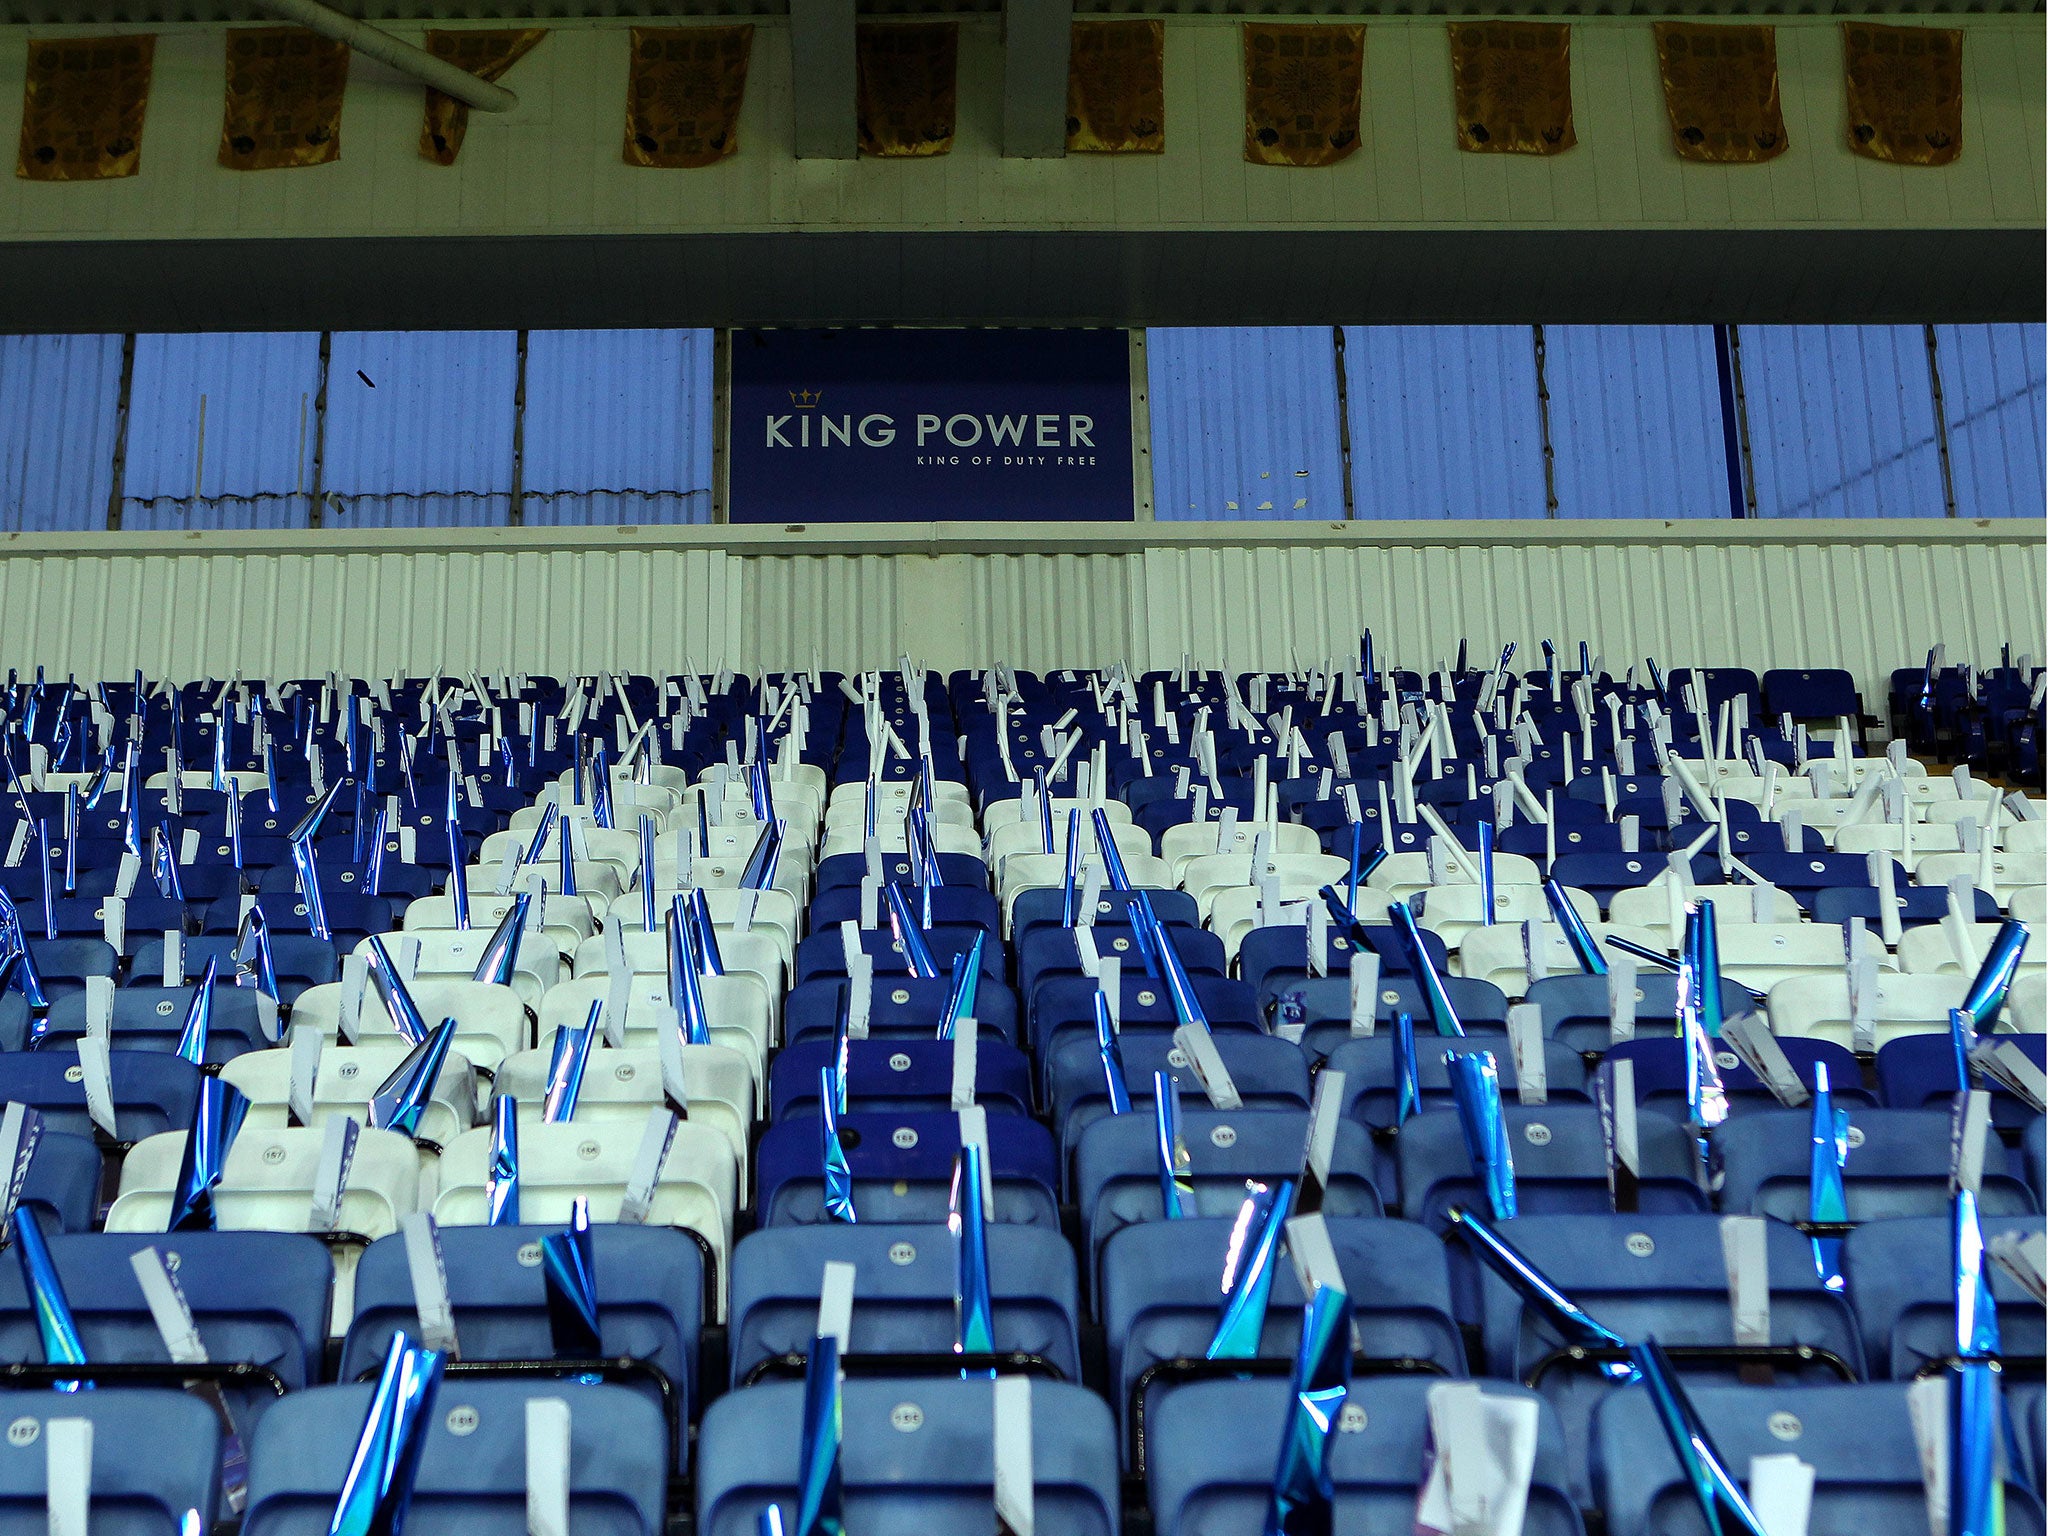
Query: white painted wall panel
{"x": 1864, "y": 595}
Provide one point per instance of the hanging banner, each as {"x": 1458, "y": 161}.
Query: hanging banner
{"x": 874, "y": 426}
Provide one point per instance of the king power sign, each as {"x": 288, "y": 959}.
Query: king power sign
{"x": 929, "y": 426}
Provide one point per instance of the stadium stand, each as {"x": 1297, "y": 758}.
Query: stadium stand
{"x": 535, "y": 1111}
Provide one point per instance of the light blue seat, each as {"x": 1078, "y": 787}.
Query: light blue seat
{"x": 1647, "y": 1275}
{"x": 1898, "y": 1166}
{"x": 903, "y": 1292}
{"x": 1560, "y": 1157}
{"x": 1219, "y": 1442}
{"x": 1161, "y": 1294}
{"x": 1269, "y": 1074}
{"x": 917, "y": 1459}
{"x": 1116, "y": 1165}
{"x": 650, "y": 1303}
{"x": 1858, "y": 1439}
{"x": 257, "y": 1297}
{"x": 471, "y": 1482}
{"x": 1904, "y": 1294}
{"x": 155, "y": 1456}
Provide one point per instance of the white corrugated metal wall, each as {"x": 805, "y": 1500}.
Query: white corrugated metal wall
{"x": 1868, "y": 596}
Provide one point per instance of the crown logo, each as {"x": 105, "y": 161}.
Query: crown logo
{"x": 804, "y": 399}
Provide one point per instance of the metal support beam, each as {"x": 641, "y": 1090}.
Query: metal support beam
{"x": 406, "y": 58}
{"x": 822, "y": 70}
{"x": 1038, "y": 40}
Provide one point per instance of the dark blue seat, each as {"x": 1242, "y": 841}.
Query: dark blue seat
{"x": 1918, "y": 1071}
{"x": 1898, "y": 1166}
{"x": 903, "y": 1007}
{"x": 156, "y": 1455}
{"x": 1902, "y": 1285}
{"x": 887, "y": 1076}
{"x": 902, "y": 1168}
{"x": 152, "y": 1018}
{"x": 153, "y": 1091}
{"x": 1660, "y": 1068}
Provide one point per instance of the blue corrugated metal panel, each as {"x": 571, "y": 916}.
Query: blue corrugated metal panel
{"x": 1244, "y": 423}
{"x": 419, "y": 428}
{"x": 618, "y": 427}
{"x": 248, "y": 461}
{"x": 1993, "y": 393}
{"x": 1635, "y": 419}
{"x": 59, "y": 400}
{"x": 1841, "y": 421}
{"x": 1443, "y": 421}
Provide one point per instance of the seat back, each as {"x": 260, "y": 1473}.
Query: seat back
{"x": 472, "y": 1469}
{"x": 1898, "y": 1165}
{"x": 155, "y": 1456}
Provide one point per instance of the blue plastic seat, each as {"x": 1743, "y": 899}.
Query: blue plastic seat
{"x": 1902, "y": 1287}
{"x": 1322, "y": 1008}
{"x": 301, "y": 960}
{"x": 843, "y": 869}
{"x": 1660, "y": 1068}
{"x": 156, "y": 1456}
{"x": 824, "y": 954}
{"x": 903, "y": 1295}
{"x": 63, "y": 1181}
{"x": 888, "y": 1076}
{"x": 1916, "y": 905}
{"x": 1267, "y": 1072}
{"x": 1066, "y": 1005}
{"x": 1560, "y": 1157}
{"x": 1575, "y": 1007}
{"x": 1898, "y": 1166}
{"x": 338, "y": 873}
{"x": 1804, "y": 875}
{"x": 952, "y": 905}
{"x": 152, "y": 1090}
{"x": 1049, "y": 952}
{"x": 903, "y": 1007}
{"x": 1161, "y": 1296}
{"x": 1043, "y": 905}
{"x": 472, "y": 1469}
{"x": 1810, "y": 692}
{"x": 66, "y": 963}
{"x": 1219, "y": 1442}
{"x": 1858, "y": 1439}
{"x": 650, "y": 1305}
{"x": 148, "y": 1017}
{"x": 1661, "y": 1276}
{"x": 902, "y": 1168}
{"x": 1116, "y": 1165}
{"x": 915, "y": 1459}
{"x": 260, "y": 1298}
{"x": 1918, "y": 1071}
{"x": 1268, "y": 956}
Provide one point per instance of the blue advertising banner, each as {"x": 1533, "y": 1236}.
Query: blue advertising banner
{"x": 870, "y": 426}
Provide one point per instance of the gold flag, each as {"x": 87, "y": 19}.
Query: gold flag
{"x": 1302, "y": 86}
{"x": 1905, "y": 92}
{"x": 81, "y": 108}
{"x": 285, "y": 86}
{"x": 1721, "y": 92}
{"x": 1511, "y": 85}
{"x": 683, "y": 95}
{"x": 1116, "y": 88}
{"x": 487, "y": 55}
{"x": 905, "y": 97}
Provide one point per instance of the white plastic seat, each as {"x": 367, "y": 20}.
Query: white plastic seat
{"x": 738, "y": 1012}
{"x": 723, "y": 868}
{"x": 558, "y": 1163}
{"x": 567, "y": 918}
{"x": 1930, "y": 949}
{"x": 1648, "y": 906}
{"x": 1234, "y": 912}
{"x": 1001, "y": 813}
{"x": 757, "y": 953}
{"x": 348, "y": 1075}
{"x": 1761, "y": 955}
{"x": 1208, "y": 875}
{"x": 1047, "y": 871}
{"x": 613, "y": 846}
{"x": 2008, "y": 871}
{"x": 1816, "y": 1006}
{"x": 854, "y": 791}
{"x": 1401, "y": 875}
{"x": 1495, "y": 954}
{"x": 621, "y": 1085}
{"x": 629, "y": 797}
{"x": 244, "y": 779}
{"x": 1453, "y": 911}
{"x": 1025, "y": 838}
{"x": 1189, "y": 840}
{"x": 2025, "y": 837}
{"x": 774, "y": 911}
{"x": 490, "y": 1021}
{"x": 1929, "y": 840}
{"x": 267, "y": 1185}
{"x": 2027, "y": 1003}
{"x": 2029, "y": 904}
{"x": 1786, "y": 785}
{"x": 851, "y": 815}
{"x": 1826, "y": 817}
{"x": 455, "y": 953}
